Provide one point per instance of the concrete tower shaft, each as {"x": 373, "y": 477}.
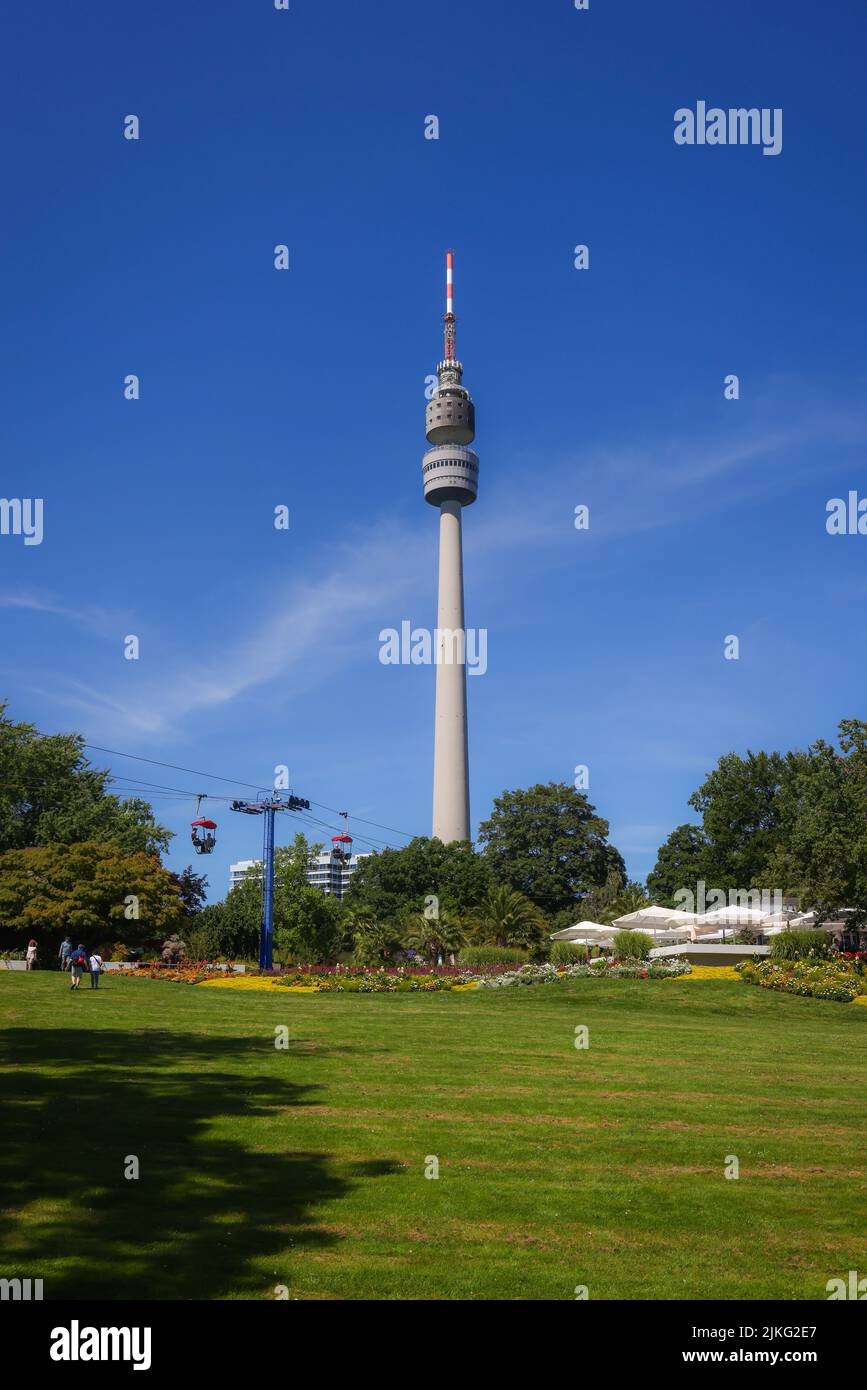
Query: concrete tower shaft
{"x": 451, "y": 782}
{"x": 450, "y": 475}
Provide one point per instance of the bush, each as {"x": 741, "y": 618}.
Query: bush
{"x": 801, "y": 943}
{"x": 491, "y": 955}
{"x": 567, "y": 953}
{"x": 632, "y": 945}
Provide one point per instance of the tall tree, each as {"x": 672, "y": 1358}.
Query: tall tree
{"x": 548, "y": 843}
{"x": 823, "y": 815}
{"x": 50, "y": 794}
{"x": 398, "y": 881}
{"x": 740, "y": 810}
{"x": 87, "y": 888}
{"x": 682, "y": 860}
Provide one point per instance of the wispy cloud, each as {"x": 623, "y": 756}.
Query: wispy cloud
{"x": 101, "y": 620}
{"x": 320, "y": 624}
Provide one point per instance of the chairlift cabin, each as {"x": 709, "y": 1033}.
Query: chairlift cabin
{"x": 341, "y": 847}
{"x": 203, "y": 836}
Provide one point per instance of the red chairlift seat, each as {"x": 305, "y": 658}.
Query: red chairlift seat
{"x": 202, "y": 835}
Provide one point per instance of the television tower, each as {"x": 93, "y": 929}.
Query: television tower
{"x": 450, "y": 473}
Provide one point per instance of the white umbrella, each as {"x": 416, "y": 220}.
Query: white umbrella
{"x": 658, "y": 921}
{"x": 584, "y": 931}
{"x": 732, "y": 916}
{"x": 645, "y": 917}
{"x": 804, "y": 919}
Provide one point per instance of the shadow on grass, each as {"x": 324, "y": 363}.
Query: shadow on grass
{"x": 205, "y": 1206}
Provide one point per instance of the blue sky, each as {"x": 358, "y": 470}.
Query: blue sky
{"x": 306, "y": 388}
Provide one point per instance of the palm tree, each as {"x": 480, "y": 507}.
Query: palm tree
{"x": 374, "y": 943}
{"x": 506, "y": 918}
{"x": 435, "y": 937}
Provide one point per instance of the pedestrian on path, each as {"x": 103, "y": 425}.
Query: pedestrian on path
{"x": 78, "y": 963}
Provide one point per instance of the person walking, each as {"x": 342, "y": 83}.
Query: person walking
{"x": 65, "y": 952}
{"x": 95, "y": 970}
{"x": 78, "y": 963}
{"x": 31, "y": 955}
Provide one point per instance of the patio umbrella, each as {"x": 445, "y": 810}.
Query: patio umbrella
{"x": 584, "y": 931}
{"x": 658, "y": 921}
{"x": 732, "y": 916}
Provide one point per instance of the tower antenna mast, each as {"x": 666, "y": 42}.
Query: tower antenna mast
{"x": 449, "y": 319}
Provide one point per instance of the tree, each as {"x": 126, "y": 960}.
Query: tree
{"x": 235, "y": 931}
{"x": 631, "y": 898}
{"x": 192, "y": 888}
{"x": 822, "y": 854}
{"x": 680, "y": 863}
{"x": 373, "y": 943}
{"x": 307, "y": 922}
{"x": 220, "y": 931}
{"x": 49, "y": 794}
{"x": 599, "y": 904}
{"x": 548, "y": 843}
{"x": 87, "y": 888}
{"x": 740, "y": 810}
{"x": 307, "y": 926}
{"x": 507, "y": 918}
{"x": 397, "y": 882}
{"x": 435, "y": 937}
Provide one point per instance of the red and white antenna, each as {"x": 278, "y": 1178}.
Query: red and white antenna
{"x": 449, "y": 319}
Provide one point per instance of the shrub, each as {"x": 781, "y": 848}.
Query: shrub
{"x": 801, "y": 943}
{"x": 632, "y": 945}
{"x": 491, "y": 955}
{"x": 567, "y": 953}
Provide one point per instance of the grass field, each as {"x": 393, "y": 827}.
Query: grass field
{"x": 305, "y": 1167}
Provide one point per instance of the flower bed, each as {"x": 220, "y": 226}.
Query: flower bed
{"x": 710, "y": 972}
{"x": 378, "y": 981}
{"x": 185, "y": 972}
{"x": 836, "y": 980}
{"x": 600, "y": 968}
{"x": 403, "y": 979}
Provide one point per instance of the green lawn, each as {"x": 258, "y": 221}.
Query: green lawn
{"x": 305, "y": 1167}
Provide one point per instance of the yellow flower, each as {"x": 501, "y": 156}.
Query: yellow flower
{"x": 709, "y": 972}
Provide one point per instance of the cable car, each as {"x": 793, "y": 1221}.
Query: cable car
{"x": 341, "y": 847}
{"x": 203, "y": 836}
{"x": 202, "y": 831}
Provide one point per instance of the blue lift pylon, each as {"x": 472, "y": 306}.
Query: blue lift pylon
{"x": 267, "y": 808}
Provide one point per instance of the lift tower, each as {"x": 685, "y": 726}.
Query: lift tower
{"x": 266, "y": 807}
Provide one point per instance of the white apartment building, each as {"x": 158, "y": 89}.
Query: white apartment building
{"x": 328, "y": 871}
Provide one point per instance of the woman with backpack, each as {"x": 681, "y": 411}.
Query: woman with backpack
{"x": 78, "y": 963}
